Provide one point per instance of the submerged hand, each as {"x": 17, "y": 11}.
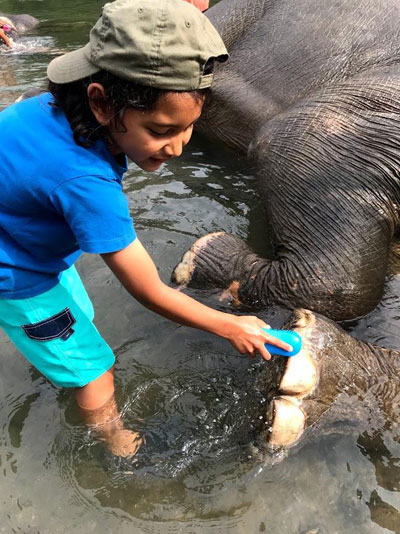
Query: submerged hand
{"x": 247, "y": 336}
{"x": 200, "y": 4}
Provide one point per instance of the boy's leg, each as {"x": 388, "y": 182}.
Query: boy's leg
{"x": 96, "y": 393}
{"x": 55, "y": 332}
{"x": 97, "y": 404}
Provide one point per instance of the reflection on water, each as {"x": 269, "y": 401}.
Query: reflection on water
{"x": 200, "y": 405}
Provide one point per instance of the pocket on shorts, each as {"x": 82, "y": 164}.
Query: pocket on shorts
{"x": 58, "y": 326}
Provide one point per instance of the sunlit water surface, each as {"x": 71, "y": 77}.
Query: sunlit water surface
{"x": 199, "y": 404}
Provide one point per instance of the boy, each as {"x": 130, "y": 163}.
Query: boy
{"x": 135, "y": 90}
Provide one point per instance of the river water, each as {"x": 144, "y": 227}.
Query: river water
{"x": 198, "y": 402}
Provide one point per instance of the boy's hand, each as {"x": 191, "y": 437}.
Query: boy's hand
{"x": 200, "y": 4}
{"x": 247, "y": 336}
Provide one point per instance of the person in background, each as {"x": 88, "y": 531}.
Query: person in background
{"x": 5, "y": 27}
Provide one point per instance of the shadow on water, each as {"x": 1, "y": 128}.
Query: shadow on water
{"x": 200, "y": 405}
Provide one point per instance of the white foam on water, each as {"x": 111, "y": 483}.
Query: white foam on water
{"x": 29, "y": 45}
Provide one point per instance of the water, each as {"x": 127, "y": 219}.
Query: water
{"x": 197, "y": 401}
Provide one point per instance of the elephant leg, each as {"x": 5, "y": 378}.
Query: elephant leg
{"x": 328, "y": 172}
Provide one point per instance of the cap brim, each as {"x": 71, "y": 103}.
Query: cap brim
{"x": 71, "y": 67}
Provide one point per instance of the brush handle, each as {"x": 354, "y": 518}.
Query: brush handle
{"x": 288, "y": 336}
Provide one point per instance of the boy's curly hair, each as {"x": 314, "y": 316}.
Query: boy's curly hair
{"x": 121, "y": 95}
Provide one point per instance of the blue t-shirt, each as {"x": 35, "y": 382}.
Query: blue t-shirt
{"x": 57, "y": 199}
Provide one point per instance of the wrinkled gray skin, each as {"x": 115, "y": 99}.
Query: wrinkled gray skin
{"x": 22, "y": 24}
{"x": 334, "y": 378}
{"x": 312, "y": 95}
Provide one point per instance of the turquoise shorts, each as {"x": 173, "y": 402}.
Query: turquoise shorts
{"x": 55, "y": 332}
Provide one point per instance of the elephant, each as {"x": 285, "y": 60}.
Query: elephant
{"x": 311, "y": 95}
{"x": 334, "y": 133}
{"x": 317, "y": 387}
{"x": 11, "y": 26}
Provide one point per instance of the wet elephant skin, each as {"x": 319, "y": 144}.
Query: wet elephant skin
{"x": 335, "y": 378}
{"x": 312, "y": 95}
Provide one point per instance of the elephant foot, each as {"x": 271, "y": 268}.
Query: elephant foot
{"x": 286, "y": 416}
{"x": 217, "y": 260}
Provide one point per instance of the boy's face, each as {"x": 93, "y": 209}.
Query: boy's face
{"x": 153, "y": 137}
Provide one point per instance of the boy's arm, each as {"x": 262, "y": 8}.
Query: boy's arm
{"x": 138, "y": 274}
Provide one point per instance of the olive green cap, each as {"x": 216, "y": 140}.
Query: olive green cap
{"x": 160, "y": 43}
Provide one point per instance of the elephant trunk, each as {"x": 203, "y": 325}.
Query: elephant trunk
{"x": 221, "y": 260}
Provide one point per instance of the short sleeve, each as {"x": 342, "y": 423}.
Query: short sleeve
{"x": 96, "y": 210}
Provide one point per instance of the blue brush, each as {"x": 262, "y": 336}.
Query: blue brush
{"x": 288, "y": 336}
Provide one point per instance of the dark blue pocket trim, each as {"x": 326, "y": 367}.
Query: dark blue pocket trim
{"x": 56, "y": 327}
